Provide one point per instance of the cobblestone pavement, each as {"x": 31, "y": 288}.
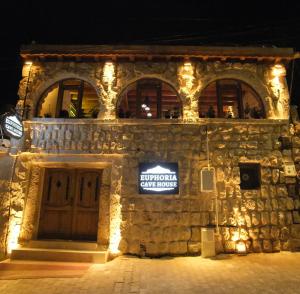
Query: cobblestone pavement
{"x": 255, "y": 273}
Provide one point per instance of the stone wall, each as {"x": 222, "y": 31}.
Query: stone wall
{"x": 188, "y": 82}
{"x": 171, "y": 224}
{"x": 6, "y": 163}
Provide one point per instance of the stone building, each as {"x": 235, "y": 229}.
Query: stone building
{"x": 95, "y": 115}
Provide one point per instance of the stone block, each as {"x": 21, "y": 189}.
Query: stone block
{"x": 292, "y": 191}
{"x": 274, "y": 218}
{"x": 256, "y": 246}
{"x": 282, "y": 191}
{"x": 254, "y": 234}
{"x": 152, "y": 249}
{"x": 265, "y": 233}
{"x": 195, "y": 218}
{"x": 265, "y": 218}
{"x": 267, "y": 246}
{"x": 179, "y": 247}
{"x": 265, "y": 192}
{"x": 196, "y": 234}
{"x": 295, "y": 231}
{"x": 275, "y": 233}
{"x": 296, "y": 217}
{"x": 289, "y": 203}
{"x": 281, "y": 218}
{"x": 275, "y": 175}
{"x": 255, "y": 218}
{"x": 276, "y": 245}
{"x": 134, "y": 247}
{"x": 229, "y": 246}
{"x": 163, "y": 248}
{"x": 194, "y": 247}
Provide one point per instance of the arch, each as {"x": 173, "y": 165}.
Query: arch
{"x": 230, "y": 97}
{"x": 68, "y": 97}
{"x": 149, "y": 97}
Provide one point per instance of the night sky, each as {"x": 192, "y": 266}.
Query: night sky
{"x": 211, "y": 23}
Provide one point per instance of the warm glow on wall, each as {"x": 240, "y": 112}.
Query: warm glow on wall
{"x": 115, "y": 223}
{"x": 14, "y": 232}
{"x": 109, "y": 95}
{"x": 109, "y": 73}
{"x": 280, "y": 95}
{"x": 186, "y": 76}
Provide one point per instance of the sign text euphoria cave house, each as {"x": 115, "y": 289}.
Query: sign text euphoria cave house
{"x": 158, "y": 178}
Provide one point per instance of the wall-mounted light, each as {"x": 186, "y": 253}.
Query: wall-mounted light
{"x": 278, "y": 70}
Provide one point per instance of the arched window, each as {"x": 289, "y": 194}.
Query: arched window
{"x": 230, "y": 98}
{"x": 149, "y": 98}
{"x": 70, "y": 98}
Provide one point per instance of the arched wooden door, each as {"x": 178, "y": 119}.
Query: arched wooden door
{"x": 70, "y": 204}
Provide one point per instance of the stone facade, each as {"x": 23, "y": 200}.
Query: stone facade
{"x": 267, "y": 219}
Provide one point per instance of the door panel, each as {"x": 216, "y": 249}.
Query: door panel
{"x": 56, "y": 212}
{"x": 87, "y": 205}
{"x": 70, "y": 204}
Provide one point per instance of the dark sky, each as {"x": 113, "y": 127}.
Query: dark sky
{"x": 238, "y": 23}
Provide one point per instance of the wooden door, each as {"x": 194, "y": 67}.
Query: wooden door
{"x": 86, "y": 208}
{"x": 70, "y": 205}
{"x": 57, "y": 204}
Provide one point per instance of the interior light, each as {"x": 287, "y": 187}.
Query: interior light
{"x": 144, "y": 105}
{"x": 28, "y": 62}
{"x": 147, "y": 108}
{"x": 149, "y": 114}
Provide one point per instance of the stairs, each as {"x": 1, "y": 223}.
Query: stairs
{"x": 65, "y": 251}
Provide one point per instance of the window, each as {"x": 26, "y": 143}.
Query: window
{"x": 149, "y": 98}
{"x": 69, "y": 99}
{"x": 249, "y": 176}
{"x": 230, "y": 98}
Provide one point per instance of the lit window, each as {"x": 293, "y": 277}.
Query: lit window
{"x": 149, "y": 98}
{"x": 230, "y": 99}
{"x": 69, "y": 99}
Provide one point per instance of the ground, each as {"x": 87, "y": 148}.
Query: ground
{"x": 254, "y": 273}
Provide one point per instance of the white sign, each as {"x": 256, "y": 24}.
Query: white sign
{"x": 159, "y": 178}
{"x": 208, "y": 179}
{"x": 12, "y": 126}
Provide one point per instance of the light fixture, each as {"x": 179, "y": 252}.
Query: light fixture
{"x": 149, "y": 114}
{"x": 144, "y": 105}
{"x": 240, "y": 247}
{"x": 278, "y": 70}
{"x": 147, "y": 108}
{"x": 28, "y": 62}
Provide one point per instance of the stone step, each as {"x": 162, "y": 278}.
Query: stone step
{"x": 61, "y": 244}
{"x": 64, "y": 255}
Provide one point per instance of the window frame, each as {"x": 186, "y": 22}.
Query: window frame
{"x": 239, "y": 99}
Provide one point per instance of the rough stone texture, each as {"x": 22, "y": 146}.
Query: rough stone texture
{"x": 158, "y": 225}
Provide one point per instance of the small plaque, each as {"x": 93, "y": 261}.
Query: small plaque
{"x": 290, "y": 169}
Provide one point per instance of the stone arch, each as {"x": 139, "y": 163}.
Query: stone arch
{"x": 149, "y": 76}
{"x": 256, "y": 84}
{"x": 38, "y": 92}
{"x": 152, "y": 77}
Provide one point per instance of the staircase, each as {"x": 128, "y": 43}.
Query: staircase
{"x": 64, "y": 251}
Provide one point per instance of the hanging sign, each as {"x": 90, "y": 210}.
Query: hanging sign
{"x": 158, "y": 178}
{"x": 12, "y": 125}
